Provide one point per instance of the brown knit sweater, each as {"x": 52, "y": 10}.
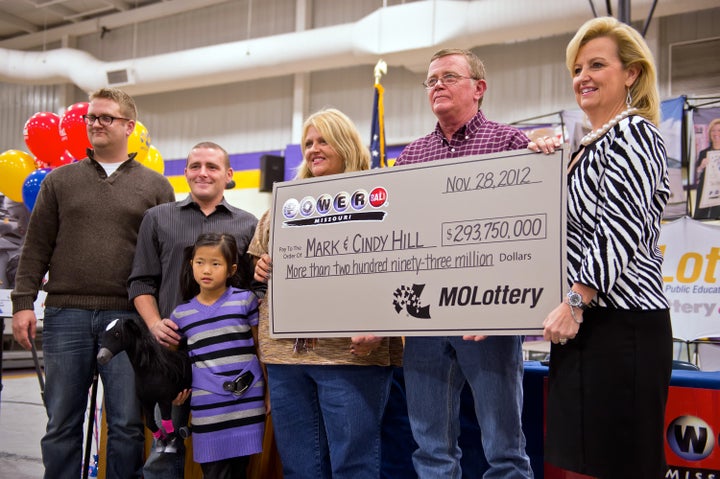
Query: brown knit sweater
{"x": 83, "y": 231}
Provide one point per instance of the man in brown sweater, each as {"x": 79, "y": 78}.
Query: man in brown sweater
{"x": 82, "y": 233}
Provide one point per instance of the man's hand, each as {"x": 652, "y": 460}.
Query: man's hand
{"x": 165, "y": 331}
{"x": 544, "y": 144}
{"x": 24, "y": 327}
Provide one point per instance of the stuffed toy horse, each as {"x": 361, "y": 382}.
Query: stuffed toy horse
{"x": 160, "y": 373}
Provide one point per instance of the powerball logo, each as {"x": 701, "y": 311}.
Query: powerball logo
{"x": 338, "y": 208}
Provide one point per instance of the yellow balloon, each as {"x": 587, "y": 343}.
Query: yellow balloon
{"x": 154, "y": 160}
{"x": 139, "y": 142}
{"x": 15, "y": 166}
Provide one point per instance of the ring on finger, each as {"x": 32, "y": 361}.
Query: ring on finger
{"x": 563, "y": 341}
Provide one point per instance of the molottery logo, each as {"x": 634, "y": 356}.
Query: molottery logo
{"x": 409, "y": 299}
{"x": 690, "y": 438}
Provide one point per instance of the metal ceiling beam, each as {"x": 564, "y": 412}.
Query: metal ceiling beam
{"x": 57, "y": 9}
{"x": 119, "y": 4}
{"x": 19, "y": 23}
{"x": 115, "y": 20}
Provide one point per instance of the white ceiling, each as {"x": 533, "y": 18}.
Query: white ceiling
{"x": 28, "y": 26}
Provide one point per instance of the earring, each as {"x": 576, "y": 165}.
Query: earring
{"x": 628, "y": 98}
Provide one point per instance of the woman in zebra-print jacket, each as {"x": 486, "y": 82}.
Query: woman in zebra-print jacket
{"x": 611, "y": 356}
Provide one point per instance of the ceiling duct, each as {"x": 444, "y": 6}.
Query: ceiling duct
{"x": 119, "y": 77}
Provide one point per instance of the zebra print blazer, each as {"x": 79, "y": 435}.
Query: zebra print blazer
{"x": 617, "y": 192}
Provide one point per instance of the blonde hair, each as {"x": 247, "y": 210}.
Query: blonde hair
{"x": 710, "y": 127}
{"x": 632, "y": 50}
{"x": 124, "y": 101}
{"x": 339, "y": 132}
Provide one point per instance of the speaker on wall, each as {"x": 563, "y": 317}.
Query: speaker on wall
{"x": 272, "y": 169}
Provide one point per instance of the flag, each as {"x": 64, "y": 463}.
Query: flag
{"x": 377, "y": 133}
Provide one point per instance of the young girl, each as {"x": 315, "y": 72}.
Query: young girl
{"x": 220, "y": 324}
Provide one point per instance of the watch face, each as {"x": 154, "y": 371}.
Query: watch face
{"x": 574, "y": 299}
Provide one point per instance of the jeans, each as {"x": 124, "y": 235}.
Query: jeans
{"x": 436, "y": 370}
{"x": 70, "y": 346}
{"x": 328, "y": 419}
{"x": 162, "y": 465}
{"x": 397, "y": 441}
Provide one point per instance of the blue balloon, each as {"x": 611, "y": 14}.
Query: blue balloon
{"x": 31, "y": 187}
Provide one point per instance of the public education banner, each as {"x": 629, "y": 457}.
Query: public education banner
{"x": 691, "y": 250}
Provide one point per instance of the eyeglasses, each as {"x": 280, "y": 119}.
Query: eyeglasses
{"x": 447, "y": 80}
{"x": 105, "y": 120}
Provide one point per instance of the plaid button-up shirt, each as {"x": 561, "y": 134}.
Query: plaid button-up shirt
{"x": 479, "y": 136}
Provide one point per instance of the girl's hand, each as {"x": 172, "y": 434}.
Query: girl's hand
{"x": 268, "y": 409}
{"x": 181, "y": 397}
{"x": 263, "y": 268}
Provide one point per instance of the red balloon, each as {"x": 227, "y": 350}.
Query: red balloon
{"x": 42, "y": 137}
{"x": 65, "y": 159}
{"x": 73, "y": 130}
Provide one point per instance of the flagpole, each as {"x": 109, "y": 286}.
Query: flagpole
{"x": 377, "y": 134}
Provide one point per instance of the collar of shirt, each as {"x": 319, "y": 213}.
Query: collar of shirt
{"x": 99, "y": 167}
{"x": 91, "y": 154}
{"x": 467, "y": 131}
{"x": 189, "y": 203}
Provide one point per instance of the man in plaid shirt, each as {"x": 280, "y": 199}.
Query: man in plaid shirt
{"x": 437, "y": 368}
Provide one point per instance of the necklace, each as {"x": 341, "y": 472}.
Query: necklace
{"x": 595, "y": 134}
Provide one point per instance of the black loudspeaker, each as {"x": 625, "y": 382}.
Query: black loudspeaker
{"x": 272, "y": 169}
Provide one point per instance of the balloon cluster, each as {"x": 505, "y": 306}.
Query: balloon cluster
{"x": 56, "y": 141}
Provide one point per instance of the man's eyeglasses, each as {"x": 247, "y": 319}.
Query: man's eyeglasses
{"x": 105, "y": 120}
{"x": 447, "y": 80}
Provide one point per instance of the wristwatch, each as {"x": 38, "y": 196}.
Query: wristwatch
{"x": 575, "y": 300}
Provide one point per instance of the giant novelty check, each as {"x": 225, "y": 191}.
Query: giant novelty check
{"x": 472, "y": 245}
